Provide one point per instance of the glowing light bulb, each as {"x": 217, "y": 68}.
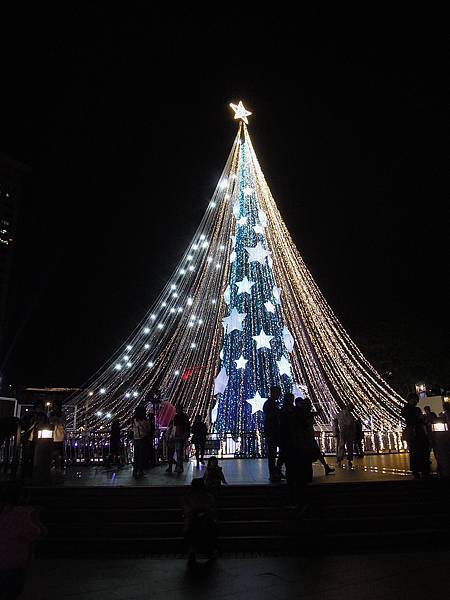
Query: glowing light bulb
{"x": 118, "y": 367}
{"x": 205, "y": 245}
{"x": 209, "y": 259}
{"x": 174, "y": 295}
{"x": 195, "y": 247}
{"x": 227, "y": 196}
{"x": 223, "y": 184}
{"x": 160, "y": 325}
{"x": 191, "y": 268}
{"x": 102, "y": 391}
{"x": 147, "y": 330}
{"x": 200, "y": 321}
{"x": 202, "y": 237}
{"x": 99, "y": 413}
{"x": 189, "y": 301}
{"x": 173, "y": 287}
{"x": 176, "y": 372}
{"x": 182, "y": 272}
{"x": 190, "y": 257}
{"x": 213, "y": 301}
{"x": 164, "y": 304}
{"x": 191, "y": 324}
{"x": 222, "y": 247}
{"x": 129, "y": 348}
{"x": 129, "y": 364}
{"x": 90, "y": 393}
{"x": 135, "y": 394}
{"x": 150, "y": 364}
{"x": 179, "y": 309}
{"x": 152, "y": 317}
{"x": 218, "y": 265}
{"x": 108, "y": 415}
{"x": 172, "y": 310}
{"x": 125, "y": 358}
{"x": 193, "y": 345}
{"x": 212, "y": 204}
{"x": 127, "y": 395}
{"x": 147, "y": 346}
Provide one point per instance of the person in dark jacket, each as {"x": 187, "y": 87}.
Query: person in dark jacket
{"x": 200, "y": 527}
{"x": 285, "y": 415}
{"x": 272, "y": 430}
{"x": 415, "y": 434}
{"x": 199, "y": 432}
{"x": 299, "y": 454}
{"x": 309, "y": 414}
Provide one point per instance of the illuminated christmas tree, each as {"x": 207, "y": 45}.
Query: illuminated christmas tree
{"x": 240, "y": 313}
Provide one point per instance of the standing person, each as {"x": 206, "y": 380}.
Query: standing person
{"x": 309, "y": 414}
{"x": 359, "y": 438}
{"x": 272, "y": 430}
{"x": 299, "y": 454}
{"x": 214, "y": 476}
{"x": 19, "y": 529}
{"x": 31, "y": 424}
{"x": 181, "y": 435}
{"x": 415, "y": 434}
{"x": 199, "y": 521}
{"x": 141, "y": 429}
{"x": 336, "y": 434}
{"x": 285, "y": 415}
{"x": 347, "y": 435}
{"x": 115, "y": 443}
{"x": 199, "y": 432}
{"x": 58, "y": 422}
{"x": 151, "y": 453}
{"x": 430, "y": 418}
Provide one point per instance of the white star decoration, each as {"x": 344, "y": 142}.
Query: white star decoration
{"x": 245, "y": 286}
{"x": 284, "y": 367}
{"x": 233, "y": 256}
{"x": 299, "y": 390}
{"x": 233, "y": 321}
{"x": 288, "y": 339}
{"x": 221, "y": 382}
{"x": 258, "y": 253}
{"x": 242, "y": 221}
{"x": 258, "y": 229}
{"x": 262, "y": 340}
{"x": 214, "y": 413}
{"x": 257, "y": 403}
{"x": 277, "y": 294}
{"x": 241, "y": 362}
{"x": 240, "y": 111}
{"x": 269, "y": 307}
{"x": 262, "y": 218}
{"x": 226, "y": 295}
{"x": 248, "y": 191}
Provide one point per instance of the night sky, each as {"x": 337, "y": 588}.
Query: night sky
{"x": 125, "y": 123}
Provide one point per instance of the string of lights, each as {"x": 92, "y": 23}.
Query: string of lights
{"x": 241, "y": 312}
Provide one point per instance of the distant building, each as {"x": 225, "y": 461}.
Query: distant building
{"x": 12, "y": 174}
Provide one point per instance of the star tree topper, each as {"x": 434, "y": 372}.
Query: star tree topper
{"x": 240, "y": 111}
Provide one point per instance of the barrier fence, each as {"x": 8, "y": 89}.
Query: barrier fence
{"x": 92, "y": 448}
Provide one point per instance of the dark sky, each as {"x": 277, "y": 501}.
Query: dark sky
{"x": 124, "y": 119}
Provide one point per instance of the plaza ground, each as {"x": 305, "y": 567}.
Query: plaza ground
{"x": 378, "y": 467}
{"x": 407, "y": 576}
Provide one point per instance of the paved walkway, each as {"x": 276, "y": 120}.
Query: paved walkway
{"x": 412, "y": 576}
{"x": 386, "y": 467}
